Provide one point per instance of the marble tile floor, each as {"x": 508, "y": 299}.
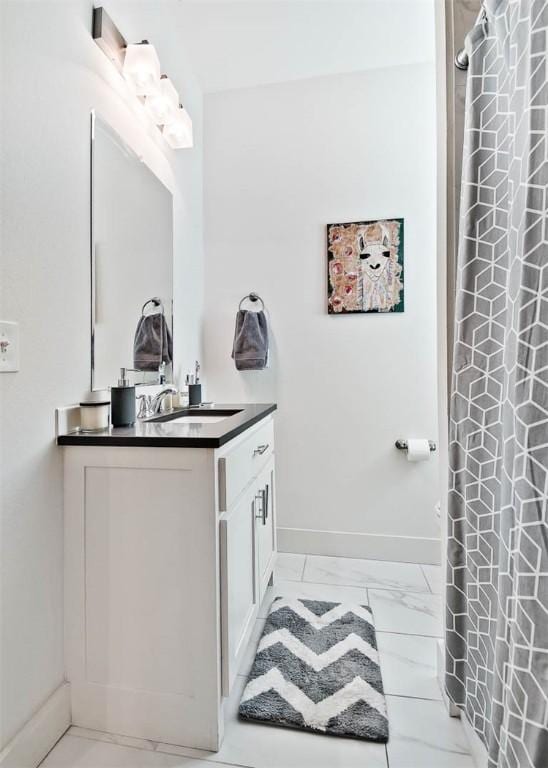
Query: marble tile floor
{"x": 406, "y": 605}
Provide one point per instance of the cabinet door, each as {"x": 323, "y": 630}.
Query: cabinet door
{"x": 238, "y": 584}
{"x": 265, "y": 526}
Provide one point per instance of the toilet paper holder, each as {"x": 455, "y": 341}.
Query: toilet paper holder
{"x": 401, "y": 445}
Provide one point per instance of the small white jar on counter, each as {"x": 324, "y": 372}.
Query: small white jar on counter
{"x": 94, "y": 415}
{"x": 180, "y": 399}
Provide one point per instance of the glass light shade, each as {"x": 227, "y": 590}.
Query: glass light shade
{"x": 162, "y": 106}
{"x": 178, "y": 133}
{"x": 142, "y": 68}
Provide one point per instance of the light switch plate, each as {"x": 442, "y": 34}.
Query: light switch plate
{"x": 9, "y": 346}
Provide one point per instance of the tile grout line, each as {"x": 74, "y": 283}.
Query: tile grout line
{"x": 367, "y": 559}
{"x": 154, "y": 750}
{"x": 364, "y": 585}
{"x": 211, "y": 760}
{"x": 405, "y": 634}
{"x": 61, "y": 737}
{"x": 426, "y": 579}
{"x": 411, "y": 698}
{"x": 427, "y": 591}
{"x": 408, "y": 634}
{"x": 367, "y": 585}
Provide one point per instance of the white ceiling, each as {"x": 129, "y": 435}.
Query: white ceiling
{"x": 242, "y": 43}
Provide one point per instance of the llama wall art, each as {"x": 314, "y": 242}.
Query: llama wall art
{"x": 365, "y": 266}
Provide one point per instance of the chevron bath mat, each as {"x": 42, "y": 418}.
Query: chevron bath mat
{"x": 317, "y": 668}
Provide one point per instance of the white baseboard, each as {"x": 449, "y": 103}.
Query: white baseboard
{"x": 405, "y": 549}
{"x": 29, "y": 747}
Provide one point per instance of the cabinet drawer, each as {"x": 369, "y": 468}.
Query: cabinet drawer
{"x": 243, "y": 463}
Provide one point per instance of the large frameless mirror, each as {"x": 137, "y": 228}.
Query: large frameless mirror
{"x": 131, "y": 263}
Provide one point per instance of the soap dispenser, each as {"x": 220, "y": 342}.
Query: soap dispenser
{"x": 122, "y": 402}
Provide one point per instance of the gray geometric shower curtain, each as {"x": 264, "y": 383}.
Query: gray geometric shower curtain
{"x": 497, "y": 595}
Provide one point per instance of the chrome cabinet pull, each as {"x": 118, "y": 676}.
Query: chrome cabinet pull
{"x": 260, "y": 449}
{"x": 262, "y": 515}
{"x": 266, "y": 501}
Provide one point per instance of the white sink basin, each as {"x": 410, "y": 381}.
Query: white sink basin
{"x": 203, "y": 419}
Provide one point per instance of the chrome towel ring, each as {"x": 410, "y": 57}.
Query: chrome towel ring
{"x": 253, "y": 297}
{"x": 156, "y": 301}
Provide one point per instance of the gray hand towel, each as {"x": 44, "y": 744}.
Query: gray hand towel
{"x": 250, "y": 349}
{"x": 152, "y": 344}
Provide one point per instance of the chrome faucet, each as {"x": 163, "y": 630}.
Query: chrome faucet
{"x": 145, "y": 406}
{"x": 157, "y": 403}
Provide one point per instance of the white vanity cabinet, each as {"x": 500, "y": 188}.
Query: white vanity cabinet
{"x": 168, "y": 553}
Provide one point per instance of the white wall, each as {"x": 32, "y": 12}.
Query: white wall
{"x": 281, "y": 162}
{"x": 52, "y": 75}
{"x": 247, "y": 43}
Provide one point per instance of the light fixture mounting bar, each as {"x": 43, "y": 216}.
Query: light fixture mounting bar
{"x": 108, "y": 37}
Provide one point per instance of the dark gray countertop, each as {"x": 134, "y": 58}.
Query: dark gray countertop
{"x": 163, "y": 433}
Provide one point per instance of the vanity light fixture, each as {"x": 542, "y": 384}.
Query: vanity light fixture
{"x": 162, "y": 106}
{"x": 140, "y": 66}
{"x": 178, "y": 132}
